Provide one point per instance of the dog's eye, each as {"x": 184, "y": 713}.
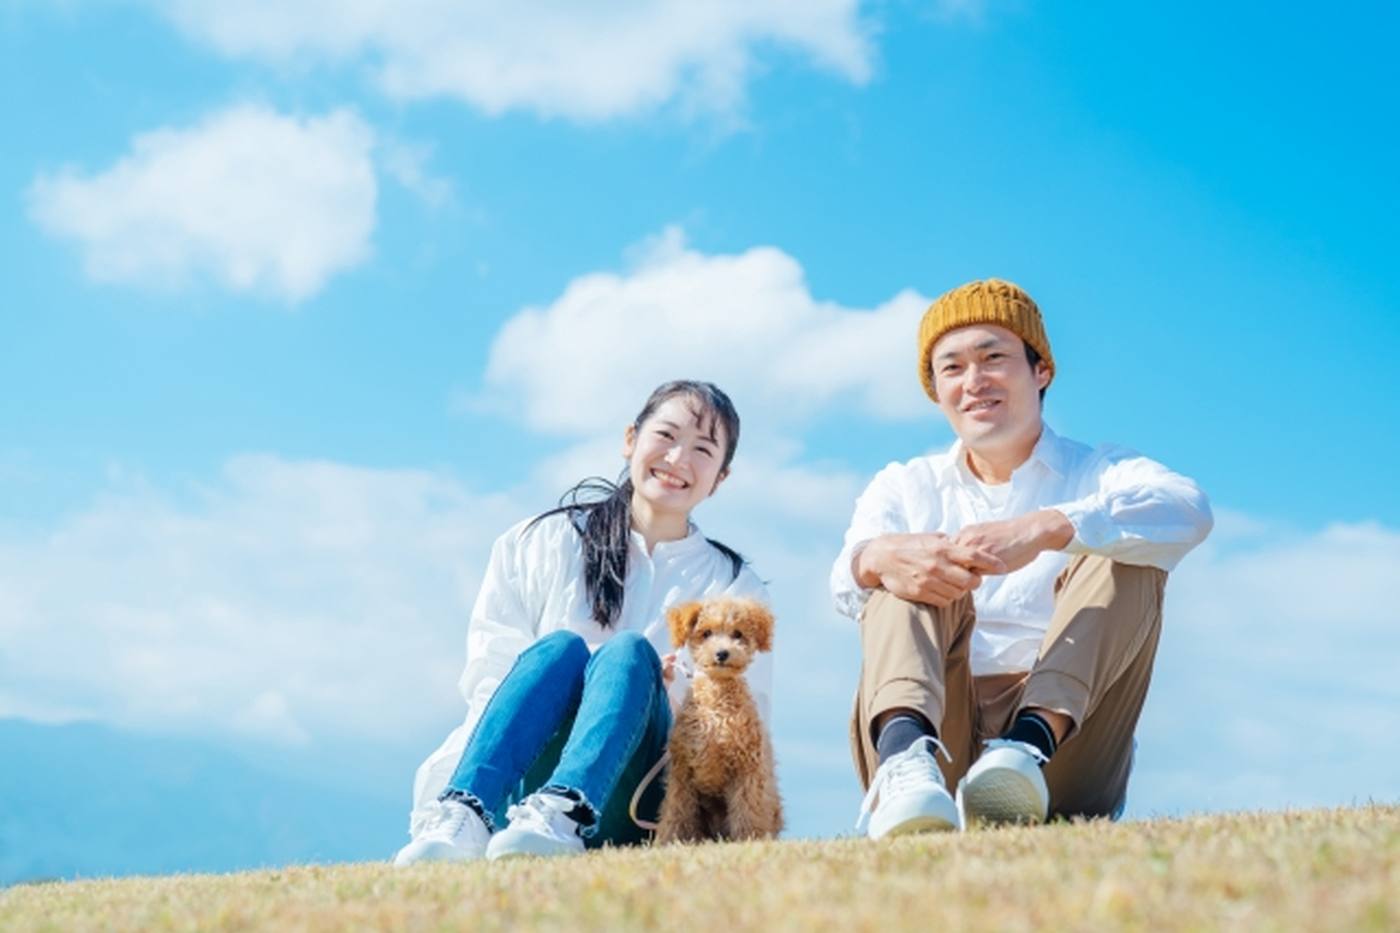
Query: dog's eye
{"x": 738, "y": 635}
{"x": 704, "y": 634}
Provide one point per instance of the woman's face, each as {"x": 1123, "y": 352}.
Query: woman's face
{"x": 675, "y": 456}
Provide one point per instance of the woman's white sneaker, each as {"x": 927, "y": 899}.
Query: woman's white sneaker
{"x": 454, "y": 833}
{"x": 539, "y": 825}
{"x": 1005, "y": 785}
{"x": 908, "y": 795}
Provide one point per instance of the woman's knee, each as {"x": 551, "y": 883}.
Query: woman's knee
{"x": 561, "y": 647}
{"x": 628, "y": 648}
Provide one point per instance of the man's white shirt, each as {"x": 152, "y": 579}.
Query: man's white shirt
{"x": 1123, "y": 506}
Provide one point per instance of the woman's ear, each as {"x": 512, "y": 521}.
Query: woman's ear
{"x": 723, "y": 475}
{"x": 629, "y": 441}
{"x": 682, "y": 619}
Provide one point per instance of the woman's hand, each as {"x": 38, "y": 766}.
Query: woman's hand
{"x": 668, "y": 668}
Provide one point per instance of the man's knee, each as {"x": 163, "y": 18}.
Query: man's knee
{"x": 1101, "y": 580}
{"x": 885, "y": 613}
{"x": 1108, "y": 595}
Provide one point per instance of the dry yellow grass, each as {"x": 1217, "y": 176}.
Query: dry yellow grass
{"x": 1325, "y": 870}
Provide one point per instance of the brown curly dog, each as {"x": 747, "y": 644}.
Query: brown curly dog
{"x": 721, "y": 783}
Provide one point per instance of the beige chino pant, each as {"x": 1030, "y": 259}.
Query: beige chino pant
{"x": 1094, "y": 666}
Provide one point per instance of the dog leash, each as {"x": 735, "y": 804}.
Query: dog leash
{"x": 637, "y": 795}
{"x": 656, "y": 768}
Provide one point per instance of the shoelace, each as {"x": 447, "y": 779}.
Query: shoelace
{"x": 544, "y": 812}
{"x": 447, "y": 818}
{"x": 915, "y": 765}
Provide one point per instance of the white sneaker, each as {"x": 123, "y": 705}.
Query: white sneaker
{"x": 908, "y": 795}
{"x": 539, "y": 825}
{"x": 454, "y": 833}
{"x": 1005, "y": 785}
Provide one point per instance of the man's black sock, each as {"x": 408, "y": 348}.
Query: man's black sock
{"x": 1033, "y": 730}
{"x": 901, "y": 732}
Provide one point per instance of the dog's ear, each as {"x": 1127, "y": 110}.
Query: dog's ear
{"x": 761, "y": 621}
{"x": 682, "y": 619}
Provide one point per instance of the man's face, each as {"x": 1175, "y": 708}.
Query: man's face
{"x": 986, "y": 388}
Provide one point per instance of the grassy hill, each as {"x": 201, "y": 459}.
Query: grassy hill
{"x": 1326, "y": 869}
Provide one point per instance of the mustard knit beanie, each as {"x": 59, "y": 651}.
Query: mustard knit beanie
{"x": 989, "y": 301}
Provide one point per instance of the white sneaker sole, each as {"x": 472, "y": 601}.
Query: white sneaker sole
{"x": 528, "y": 846}
{"x": 434, "y": 852}
{"x": 1001, "y": 795}
{"x": 921, "y": 824}
{"x": 931, "y": 814}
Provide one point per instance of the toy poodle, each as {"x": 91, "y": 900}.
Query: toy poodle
{"x": 721, "y": 783}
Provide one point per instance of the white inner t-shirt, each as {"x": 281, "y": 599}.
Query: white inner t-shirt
{"x": 996, "y": 496}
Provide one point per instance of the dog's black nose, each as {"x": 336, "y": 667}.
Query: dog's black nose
{"x": 721, "y": 656}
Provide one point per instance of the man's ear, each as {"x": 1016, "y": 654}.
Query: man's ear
{"x": 1042, "y": 374}
{"x": 682, "y": 619}
{"x": 761, "y": 619}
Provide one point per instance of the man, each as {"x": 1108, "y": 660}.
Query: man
{"x": 1009, "y": 592}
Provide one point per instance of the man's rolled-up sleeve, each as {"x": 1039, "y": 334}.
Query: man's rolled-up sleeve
{"x": 1137, "y": 511}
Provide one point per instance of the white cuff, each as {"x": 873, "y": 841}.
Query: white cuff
{"x": 846, "y": 591}
{"x": 1093, "y": 529}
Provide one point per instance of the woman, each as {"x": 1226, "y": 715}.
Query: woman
{"x": 569, "y": 703}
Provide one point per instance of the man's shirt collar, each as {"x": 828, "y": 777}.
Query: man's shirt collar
{"x": 1047, "y": 452}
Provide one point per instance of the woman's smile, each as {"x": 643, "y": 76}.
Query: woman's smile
{"x": 669, "y": 479}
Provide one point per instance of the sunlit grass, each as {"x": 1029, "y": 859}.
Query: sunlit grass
{"x": 1334, "y": 869}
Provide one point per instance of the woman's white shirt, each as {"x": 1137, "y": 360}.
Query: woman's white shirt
{"x": 534, "y": 586}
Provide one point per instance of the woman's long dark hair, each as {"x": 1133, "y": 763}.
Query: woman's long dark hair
{"x": 601, "y": 511}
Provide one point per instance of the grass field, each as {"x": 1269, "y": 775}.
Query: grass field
{"x": 1326, "y": 869}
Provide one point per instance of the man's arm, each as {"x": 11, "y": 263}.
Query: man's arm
{"x": 1138, "y": 512}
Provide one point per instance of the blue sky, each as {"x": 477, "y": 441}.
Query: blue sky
{"x": 303, "y": 308}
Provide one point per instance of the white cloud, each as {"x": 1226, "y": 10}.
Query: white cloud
{"x": 747, "y": 322}
{"x": 407, "y": 163}
{"x": 255, "y": 200}
{"x": 581, "y": 61}
{"x": 283, "y": 600}
{"x": 1275, "y": 683}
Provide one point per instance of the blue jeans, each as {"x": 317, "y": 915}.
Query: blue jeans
{"x": 564, "y": 720}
